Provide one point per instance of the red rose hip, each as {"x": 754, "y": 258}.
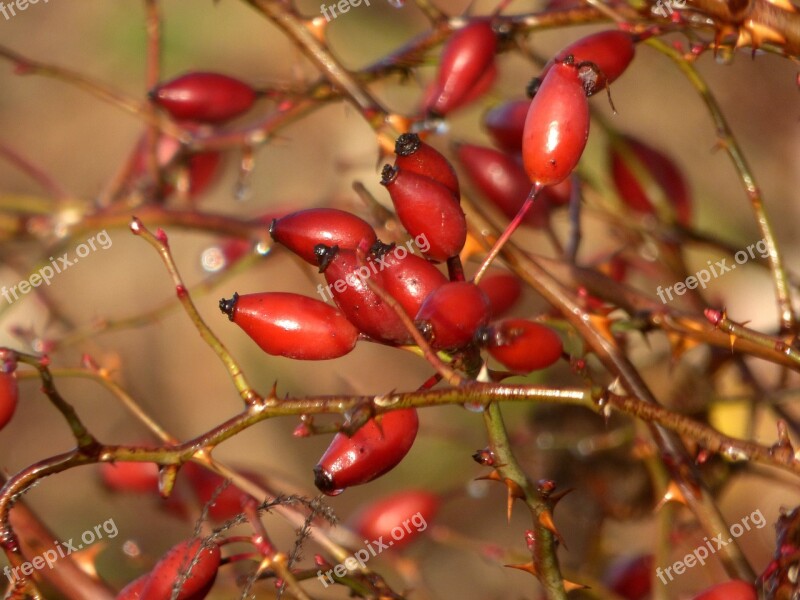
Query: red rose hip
{"x": 174, "y": 563}
{"x": 377, "y": 447}
{"x": 408, "y": 512}
{"x": 505, "y": 123}
{"x": 406, "y": 277}
{"x": 204, "y": 97}
{"x": 291, "y": 325}
{"x": 730, "y": 590}
{"x": 9, "y": 396}
{"x": 452, "y": 314}
{"x": 523, "y": 346}
{"x": 423, "y": 159}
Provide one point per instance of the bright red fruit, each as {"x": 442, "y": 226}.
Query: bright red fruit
{"x": 204, "y": 97}
{"x": 406, "y": 277}
{"x": 301, "y": 231}
{"x": 665, "y": 174}
{"x": 377, "y": 447}
{"x": 291, "y": 325}
{"x": 347, "y": 283}
{"x": 452, "y": 314}
{"x": 137, "y": 477}
{"x": 523, "y": 346}
{"x": 503, "y": 289}
{"x": 631, "y": 577}
{"x": 505, "y": 124}
{"x": 426, "y": 207}
{"x": 730, "y": 590}
{"x": 557, "y": 127}
{"x": 205, "y": 484}
{"x": 176, "y": 561}
{"x": 502, "y": 181}
{"x": 133, "y": 591}
{"x": 612, "y": 51}
{"x": 9, "y": 396}
{"x": 408, "y": 511}
{"x": 467, "y": 57}
{"x": 423, "y": 159}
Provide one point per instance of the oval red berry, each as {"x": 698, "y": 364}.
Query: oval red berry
{"x": 523, "y": 346}
{"x": 204, "y": 97}
{"x": 452, "y": 314}
{"x": 400, "y": 517}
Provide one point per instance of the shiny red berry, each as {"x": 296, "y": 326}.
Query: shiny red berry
{"x": 174, "y": 563}
{"x": 416, "y": 156}
{"x": 503, "y": 289}
{"x": 206, "y": 485}
{"x": 505, "y": 123}
{"x": 136, "y": 477}
{"x": 427, "y": 208}
{"x": 665, "y": 174}
{"x": 612, "y": 51}
{"x": 730, "y": 590}
{"x": 523, "y": 346}
{"x": 502, "y": 181}
{"x": 631, "y": 577}
{"x": 400, "y": 517}
{"x": 452, "y": 314}
{"x": 291, "y": 325}
{"x": 301, "y": 231}
{"x": 467, "y": 56}
{"x": 407, "y": 278}
{"x": 557, "y": 126}
{"x": 377, "y": 447}
{"x": 9, "y": 396}
{"x": 204, "y": 97}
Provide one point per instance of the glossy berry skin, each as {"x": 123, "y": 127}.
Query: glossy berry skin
{"x": 612, "y": 51}
{"x": 347, "y": 283}
{"x": 505, "y": 123}
{"x": 631, "y": 577}
{"x": 9, "y": 397}
{"x": 452, "y": 314}
{"x": 730, "y": 590}
{"x": 426, "y": 207}
{"x": 407, "y": 278}
{"x": 523, "y": 346}
{"x": 373, "y": 450}
{"x": 665, "y": 174}
{"x": 556, "y": 128}
{"x": 415, "y": 508}
{"x": 167, "y": 570}
{"x": 503, "y": 289}
{"x": 502, "y": 181}
{"x": 136, "y": 477}
{"x": 227, "y": 503}
{"x": 467, "y": 56}
{"x": 301, "y": 231}
{"x": 204, "y": 97}
{"x": 416, "y": 156}
{"x": 291, "y": 325}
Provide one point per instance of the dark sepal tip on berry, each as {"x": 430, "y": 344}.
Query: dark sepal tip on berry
{"x": 325, "y": 254}
{"x": 323, "y": 480}
{"x": 379, "y": 249}
{"x": 272, "y": 228}
{"x": 483, "y": 335}
{"x": 407, "y": 144}
{"x": 533, "y": 87}
{"x": 388, "y": 174}
{"x": 228, "y": 306}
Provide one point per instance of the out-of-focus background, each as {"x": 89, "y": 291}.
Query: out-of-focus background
{"x": 81, "y": 141}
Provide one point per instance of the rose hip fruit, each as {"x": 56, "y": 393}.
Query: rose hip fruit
{"x": 409, "y": 511}
{"x": 408, "y": 279}
{"x": 730, "y": 590}
{"x": 664, "y": 172}
{"x": 423, "y": 159}
{"x": 505, "y": 123}
{"x": 377, "y": 447}
{"x": 452, "y": 314}
{"x": 502, "y": 181}
{"x": 557, "y": 127}
{"x": 204, "y": 97}
{"x": 503, "y": 289}
{"x": 136, "y": 477}
{"x": 427, "y": 208}
{"x": 205, "y": 484}
{"x": 631, "y": 577}
{"x": 523, "y": 346}
{"x": 466, "y": 58}
{"x": 347, "y": 284}
{"x": 291, "y": 325}
{"x": 612, "y": 51}
{"x": 301, "y": 231}
{"x": 9, "y": 396}
{"x": 174, "y": 563}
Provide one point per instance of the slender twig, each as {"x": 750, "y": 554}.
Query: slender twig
{"x": 35, "y": 172}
